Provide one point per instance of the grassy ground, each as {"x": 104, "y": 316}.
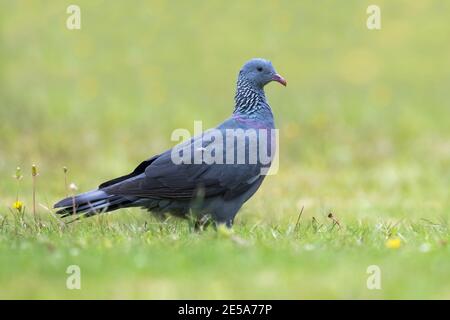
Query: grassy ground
{"x": 364, "y": 134}
{"x": 127, "y": 257}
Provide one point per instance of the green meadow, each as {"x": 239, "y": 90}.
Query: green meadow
{"x": 364, "y": 135}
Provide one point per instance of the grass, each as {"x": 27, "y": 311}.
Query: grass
{"x": 128, "y": 256}
{"x": 364, "y": 134}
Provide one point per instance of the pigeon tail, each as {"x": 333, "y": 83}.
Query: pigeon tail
{"x": 90, "y": 203}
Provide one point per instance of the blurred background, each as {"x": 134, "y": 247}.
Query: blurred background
{"x": 364, "y": 133}
{"x": 364, "y": 122}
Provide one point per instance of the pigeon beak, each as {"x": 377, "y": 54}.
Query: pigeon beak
{"x": 276, "y": 77}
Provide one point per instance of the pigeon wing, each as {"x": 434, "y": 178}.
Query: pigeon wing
{"x": 162, "y": 178}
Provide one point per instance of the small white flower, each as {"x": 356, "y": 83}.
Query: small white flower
{"x": 73, "y": 187}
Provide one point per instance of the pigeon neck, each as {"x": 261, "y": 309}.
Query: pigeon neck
{"x": 249, "y": 99}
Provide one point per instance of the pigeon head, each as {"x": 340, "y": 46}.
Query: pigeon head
{"x": 259, "y": 72}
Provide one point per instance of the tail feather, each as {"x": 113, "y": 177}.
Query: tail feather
{"x": 90, "y": 203}
{"x": 90, "y": 196}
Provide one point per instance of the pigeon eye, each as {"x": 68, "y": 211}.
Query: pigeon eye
{"x": 259, "y": 69}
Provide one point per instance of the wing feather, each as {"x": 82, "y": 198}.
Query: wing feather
{"x": 161, "y": 178}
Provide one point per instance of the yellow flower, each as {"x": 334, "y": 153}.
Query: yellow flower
{"x": 18, "y": 205}
{"x": 393, "y": 243}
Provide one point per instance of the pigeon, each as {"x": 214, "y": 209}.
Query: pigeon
{"x": 208, "y": 177}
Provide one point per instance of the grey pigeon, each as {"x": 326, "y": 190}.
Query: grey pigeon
{"x": 214, "y": 186}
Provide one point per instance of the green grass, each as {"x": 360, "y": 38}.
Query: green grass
{"x": 130, "y": 257}
{"x": 364, "y": 134}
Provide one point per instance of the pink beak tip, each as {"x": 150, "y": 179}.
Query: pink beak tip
{"x": 279, "y": 79}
